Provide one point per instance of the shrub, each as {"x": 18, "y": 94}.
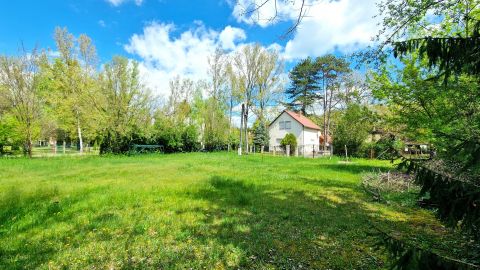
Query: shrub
{"x": 352, "y": 130}
{"x": 291, "y": 140}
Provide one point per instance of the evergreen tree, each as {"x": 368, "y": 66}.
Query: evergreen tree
{"x": 260, "y": 133}
{"x": 302, "y": 93}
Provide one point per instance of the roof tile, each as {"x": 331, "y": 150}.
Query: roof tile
{"x": 303, "y": 120}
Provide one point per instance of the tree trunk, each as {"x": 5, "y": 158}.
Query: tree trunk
{"x": 80, "y": 139}
{"x": 230, "y": 124}
{"x": 324, "y": 114}
{"x": 246, "y": 127}
{"x": 29, "y": 144}
{"x": 241, "y": 128}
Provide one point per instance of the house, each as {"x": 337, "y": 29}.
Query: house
{"x": 308, "y": 133}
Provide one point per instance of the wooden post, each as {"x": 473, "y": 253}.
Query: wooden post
{"x": 240, "y": 150}
{"x": 296, "y": 151}
{"x": 274, "y": 150}
{"x": 288, "y": 150}
{"x": 313, "y": 151}
{"x": 261, "y": 149}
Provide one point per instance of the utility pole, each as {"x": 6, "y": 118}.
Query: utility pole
{"x": 324, "y": 113}
{"x": 241, "y": 129}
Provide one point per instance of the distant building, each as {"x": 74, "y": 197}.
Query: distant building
{"x": 308, "y": 134}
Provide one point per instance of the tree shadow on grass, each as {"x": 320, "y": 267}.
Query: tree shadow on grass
{"x": 286, "y": 229}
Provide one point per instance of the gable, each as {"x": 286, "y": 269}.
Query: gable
{"x": 299, "y": 118}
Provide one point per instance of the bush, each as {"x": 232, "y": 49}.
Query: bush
{"x": 352, "y": 130}
{"x": 386, "y": 148}
{"x": 291, "y": 140}
{"x": 115, "y": 143}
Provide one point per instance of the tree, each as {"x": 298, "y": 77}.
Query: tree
{"x": 332, "y": 72}
{"x": 19, "y": 91}
{"x": 352, "y": 129}
{"x": 270, "y": 83}
{"x": 304, "y": 86}
{"x": 216, "y": 128}
{"x": 218, "y": 75}
{"x": 446, "y": 115}
{"x": 69, "y": 85}
{"x": 260, "y": 133}
{"x": 247, "y": 63}
{"x": 234, "y": 96}
{"x": 127, "y": 106}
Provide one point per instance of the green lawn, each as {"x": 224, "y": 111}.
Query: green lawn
{"x": 199, "y": 211}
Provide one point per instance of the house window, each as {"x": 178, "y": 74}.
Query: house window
{"x": 288, "y": 125}
{"x": 282, "y": 125}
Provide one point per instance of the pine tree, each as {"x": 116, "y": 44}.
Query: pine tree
{"x": 302, "y": 93}
{"x": 260, "y": 133}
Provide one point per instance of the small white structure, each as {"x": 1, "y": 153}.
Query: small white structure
{"x": 305, "y": 130}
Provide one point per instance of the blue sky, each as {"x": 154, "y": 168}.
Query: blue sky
{"x": 111, "y": 26}
{"x": 174, "y": 37}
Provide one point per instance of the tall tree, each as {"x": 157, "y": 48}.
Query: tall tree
{"x": 331, "y": 72}
{"x": 70, "y": 88}
{"x": 304, "y": 86}
{"x": 270, "y": 83}
{"x": 247, "y": 62}
{"x": 234, "y": 96}
{"x": 127, "y": 105}
{"x": 19, "y": 78}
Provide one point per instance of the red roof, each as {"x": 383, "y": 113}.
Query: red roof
{"x": 304, "y": 121}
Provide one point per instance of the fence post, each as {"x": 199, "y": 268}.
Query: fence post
{"x": 261, "y": 149}
{"x": 313, "y": 151}
{"x": 240, "y": 151}
{"x": 274, "y": 150}
{"x": 288, "y": 150}
{"x": 296, "y": 151}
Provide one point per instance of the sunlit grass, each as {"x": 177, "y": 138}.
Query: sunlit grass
{"x": 201, "y": 210}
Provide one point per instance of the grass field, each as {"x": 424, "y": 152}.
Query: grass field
{"x": 200, "y": 211}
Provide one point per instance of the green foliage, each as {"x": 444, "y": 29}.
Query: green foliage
{"x": 456, "y": 196}
{"x": 125, "y": 106}
{"x": 352, "y": 129}
{"x": 9, "y": 133}
{"x": 428, "y": 110}
{"x": 451, "y": 55}
{"x": 406, "y": 256}
{"x": 175, "y": 137}
{"x": 260, "y": 134}
{"x": 386, "y": 148}
{"x": 304, "y": 86}
{"x": 291, "y": 140}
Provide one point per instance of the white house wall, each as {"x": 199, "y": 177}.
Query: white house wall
{"x": 276, "y": 135}
{"x": 311, "y": 136}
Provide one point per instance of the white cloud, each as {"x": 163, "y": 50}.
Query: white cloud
{"x": 102, "y": 23}
{"x": 230, "y": 35}
{"x": 345, "y": 25}
{"x": 117, "y": 3}
{"x": 163, "y": 54}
